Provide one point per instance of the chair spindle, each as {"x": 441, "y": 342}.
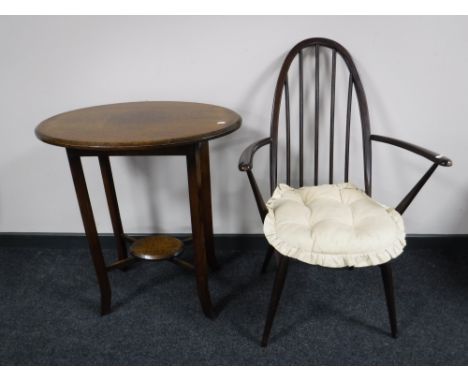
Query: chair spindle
{"x": 332, "y": 114}
{"x": 316, "y": 138}
{"x": 288, "y": 133}
{"x": 301, "y": 121}
{"x": 348, "y": 124}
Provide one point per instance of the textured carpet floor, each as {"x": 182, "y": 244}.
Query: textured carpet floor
{"x": 49, "y": 313}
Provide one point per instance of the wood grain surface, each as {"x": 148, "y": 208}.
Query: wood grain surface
{"x": 138, "y": 125}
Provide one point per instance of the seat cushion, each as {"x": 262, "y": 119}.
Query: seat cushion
{"x": 333, "y": 225}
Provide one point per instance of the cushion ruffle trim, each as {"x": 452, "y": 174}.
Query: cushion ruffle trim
{"x": 333, "y": 260}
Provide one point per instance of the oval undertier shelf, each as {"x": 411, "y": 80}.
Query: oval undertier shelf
{"x": 157, "y": 248}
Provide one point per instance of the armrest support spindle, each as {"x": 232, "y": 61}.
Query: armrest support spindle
{"x": 437, "y": 159}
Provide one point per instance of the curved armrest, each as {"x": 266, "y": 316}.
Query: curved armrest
{"x": 246, "y": 164}
{"x": 432, "y": 156}
{"x": 437, "y": 159}
{"x": 246, "y": 158}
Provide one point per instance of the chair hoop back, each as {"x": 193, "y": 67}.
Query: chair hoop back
{"x": 282, "y": 91}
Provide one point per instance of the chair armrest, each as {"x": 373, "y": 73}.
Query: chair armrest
{"x": 432, "y": 156}
{"x": 246, "y": 158}
{"x": 437, "y": 159}
{"x": 246, "y": 164}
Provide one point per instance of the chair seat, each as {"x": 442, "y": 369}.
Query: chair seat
{"x": 333, "y": 225}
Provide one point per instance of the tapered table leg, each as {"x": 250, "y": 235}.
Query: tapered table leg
{"x": 111, "y": 196}
{"x": 206, "y": 200}
{"x": 90, "y": 229}
{"x": 196, "y": 204}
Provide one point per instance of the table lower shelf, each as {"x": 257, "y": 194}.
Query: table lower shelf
{"x": 157, "y": 248}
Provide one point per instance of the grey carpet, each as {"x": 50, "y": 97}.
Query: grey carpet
{"x": 50, "y": 315}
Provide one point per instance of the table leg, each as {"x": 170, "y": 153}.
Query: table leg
{"x": 206, "y": 200}
{"x": 90, "y": 230}
{"x": 196, "y": 204}
{"x": 114, "y": 212}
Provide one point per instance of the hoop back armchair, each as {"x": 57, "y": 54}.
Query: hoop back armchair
{"x": 315, "y": 49}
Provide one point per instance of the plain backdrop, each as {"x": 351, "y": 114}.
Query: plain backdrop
{"x": 413, "y": 70}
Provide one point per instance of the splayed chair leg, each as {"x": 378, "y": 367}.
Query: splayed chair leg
{"x": 268, "y": 256}
{"x": 275, "y": 297}
{"x": 386, "y": 270}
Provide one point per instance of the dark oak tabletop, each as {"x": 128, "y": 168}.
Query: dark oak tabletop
{"x": 138, "y": 125}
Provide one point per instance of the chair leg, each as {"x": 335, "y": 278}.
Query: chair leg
{"x": 386, "y": 270}
{"x": 275, "y": 297}
{"x": 268, "y": 256}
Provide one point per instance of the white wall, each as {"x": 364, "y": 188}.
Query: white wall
{"x": 413, "y": 70}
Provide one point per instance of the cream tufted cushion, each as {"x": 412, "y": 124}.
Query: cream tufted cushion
{"x": 333, "y": 225}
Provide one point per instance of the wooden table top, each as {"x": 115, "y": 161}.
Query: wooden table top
{"x": 138, "y": 125}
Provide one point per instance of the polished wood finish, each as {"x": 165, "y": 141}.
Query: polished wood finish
{"x": 90, "y": 229}
{"x": 323, "y": 46}
{"x": 122, "y": 264}
{"x": 436, "y": 159}
{"x": 207, "y": 214}
{"x": 247, "y": 156}
{"x": 198, "y": 230}
{"x": 348, "y": 127}
{"x": 328, "y": 47}
{"x": 406, "y": 201}
{"x": 275, "y": 297}
{"x": 137, "y": 125}
{"x": 182, "y": 263}
{"x": 332, "y": 117}
{"x": 113, "y": 205}
{"x": 246, "y": 164}
{"x": 317, "y": 114}
{"x": 288, "y": 131}
{"x": 157, "y": 248}
{"x": 387, "y": 277}
{"x": 144, "y": 128}
{"x": 301, "y": 120}
{"x": 262, "y": 209}
{"x": 439, "y": 159}
{"x": 268, "y": 256}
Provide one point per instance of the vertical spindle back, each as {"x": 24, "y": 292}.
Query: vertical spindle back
{"x": 317, "y": 47}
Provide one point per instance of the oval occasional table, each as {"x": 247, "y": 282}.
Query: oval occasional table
{"x": 144, "y": 128}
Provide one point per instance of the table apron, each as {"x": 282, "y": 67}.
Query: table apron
{"x": 163, "y": 150}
